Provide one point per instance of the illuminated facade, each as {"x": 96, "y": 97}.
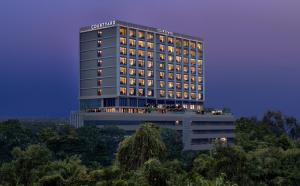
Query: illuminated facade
{"x": 125, "y": 67}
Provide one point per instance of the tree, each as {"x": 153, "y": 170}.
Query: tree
{"x": 146, "y": 143}
{"x": 173, "y": 141}
{"x": 275, "y": 121}
{"x": 155, "y": 173}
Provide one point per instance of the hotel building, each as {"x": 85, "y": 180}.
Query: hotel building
{"x": 130, "y": 74}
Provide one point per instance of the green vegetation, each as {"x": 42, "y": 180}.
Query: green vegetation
{"x": 267, "y": 152}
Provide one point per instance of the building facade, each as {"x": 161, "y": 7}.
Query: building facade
{"x": 131, "y": 74}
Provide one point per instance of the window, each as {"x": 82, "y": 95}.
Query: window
{"x": 99, "y": 33}
{"x": 170, "y": 58}
{"x": 150, "y": 92}
{"x": 132, "y": 42}
{"x": 132, "y": 72}
{"x": 132, "y": 52}
{"x": 150, "y": 64}
{"x": 161, "y": 75}
{"x": 99, "y": 53}
{"x": 161, "y": 48}
{"x": 170, "y": 49}
{"x": 99, "y": 82}
{"x": 171, "y": 84}
{"x": 141, "y": 63}
{"x": 161, "y": 84}
{"x": 162, "y": 57}
{"x": 199, "y": 87}
{"x": 170, "y": 40}
{"x": 186, "y": 77}
{"x": 162, "y": 93}
{"x": 186, "y": 86}
{"x": 141, "y": 73}
{"x": 178, "y": 51}
{"x": 178, "y": 68}
{"x": 185, "y": 43}
{"x": 185, "y": 95}
{"x": 171, "y": 76}
{"x": 185, "y": 69}
{"x": 141, "y": 53}
{"x": 132, "y": 91}
{"x": 141, "y": 82}
{"x": 123, "y": 41}
{"x": 178, "y": 59}
{"x": 122, "y": 70}
{"x": 99, "y": 43}
{"x": 193, "y": 45}
{"x": 200, "y": 62}
{"x": 122, "y": 60}
{"x": 178, "y": 85}
{"x": 141, "y": 35}
{"x": 161, "y": 66}
{"x": 199, "y": 46}
{"x": 150, "y": 36}
{"x": 178, "y": 42}
{"x": 132, "y": 81}
{"x": 99, "y": 72}
{"x": 193, "y": 62}
{"x": 193, "y": 70}
{"x": 162, "y": 38}
{"x": 150, "y": 73}
{"x": 122, "y": 31}
{"x": 141, "y": 92}
{"x": 170, "y": 94}
{"x": 185, "y": 52}
{"x": 132, "y": 62}
{"x": 122, "y": 91}
{"x": 178, "y": 94}
{"x": 150, "y": 55}
{"x": 141, "y": 44}
{"x": 132, "y": 33}
{"x": 122, "y": 51}
{"x": 193, "y": 87}
{"x": 99, "y": 62}
{"x": 193, "y": 95}
{"x": 193, "y": 54}
{"x": 185, "y": 60}
{"x": 199, "y": 96}
{"x": 150, "y": 45}
{"x": 150, "y": 83}
{"x": 200, "y": 79}
{"x": 178, "y": 76}
{"x": 170, "y": 67}
{"x": 123, "y": 80}
{"x": 193, "y": 78}
{"x": 99, "y": 92}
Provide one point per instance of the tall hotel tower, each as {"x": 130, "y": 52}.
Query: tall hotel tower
{"x": 130, "y": 74}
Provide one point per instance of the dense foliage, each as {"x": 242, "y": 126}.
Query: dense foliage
{"x": 267, "y": 152}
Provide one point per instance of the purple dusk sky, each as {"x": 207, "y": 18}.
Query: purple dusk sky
{"x": 252, "y": 50}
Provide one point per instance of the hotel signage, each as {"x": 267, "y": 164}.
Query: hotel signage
{"x": 102, "y": 25}
{"x": 165, "y": 31}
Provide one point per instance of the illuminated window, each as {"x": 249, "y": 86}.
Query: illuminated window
{"x": 185, "y": 43}
{"x": 178, "y": 42}
{"x": 162, "y": 57}
{"x": 132, "y": 81}
{"x": 123, "y": 80}
{"x": 141, "y": 73}
{"x": 141, "y": 92}
{"x": 149, "y": 64}
{"x": 150, "y": 82}
{"x": 132, "y": 62}
{"x": 132, "y": 52}
{"x": 142, "y": 44}
{"x": 99, "y": 43}
{"x": 171, "y": 84}
{"x": 170, "y": 67}
{"x": 141, "y": 35}
{"x": 150, "y": 36}
{"x": 193, "y": 54}
{"x": 178, "y": 94}
{"x": 170, "y": 94}
{"x": 99, "y": 33}
{"x": 199, "y": 87}
{"x": 170, "y": 40}
{"x": 162, "y": 93}
{"x": 178, "y": 76}
{"x": 161, "y": 66}
{"x": 122, "y": 91}
{"x": 199, "y": 96}
{"x": 178, "y": 85}
{"x": 185, "y": 60}
{"x": 99, "y": 53}
{"x": 123, "y": 41}
{"x": 141, "y": 82}
{"x": 178, "y": 59}
{"x": 200, "y": 79}
{"x": 132, "y": 72}
{"x": 199, "y": 46}
{"x": 99, "y": 62}
{"x": 99, "y": 92}
{"x": 193, "y": 87}
{"x": 122, "y": 70}
{"x": 178, "y": 51}
{"x": 132, "y": 42}
{"x": 122, "y": 60}
{"x": 200, "y": 62}
{"x": 185, "y": 95}
{"x": 161, "y": 84}
{"x": 122, "y": 51}
{"x": 99, "y": 72}
{"x": 193, "y": 45}
{"x": 150, "y": 45}
{"x": 99, "y": 82}
{"x": 141, "y": 53}
{"x": 150, "y": 73}
{"x": 185, "y": 52}
{"x": 141, "y": 63}
{"x": 170, "y": 49}
{"x": 170, "y": 58}
{"x": 150, "y": 92}
{"x": 186, "y": 86}
{"x": 186, "y": 77}
{"x": 185, "y": 68}
{"x": 178, "y": 68}
{"x": 122, "y": 31}
{"x": 171, "y": 76}
{"x": 193, "y": 95}
{"x": 150, "y": 55}
{"x": 161, "y": 48}
{"x": 162, "y": 38}
{"x": 161, "y": 75}
{"x": 132, "y": 91}
{"x": 193, "y": 70}
{"x": 193, "y": 78}
{"x": 193, "y": 62}
{"x": 132, "y": 33}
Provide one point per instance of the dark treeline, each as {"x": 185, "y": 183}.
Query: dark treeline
{"x": 266, "y": 152}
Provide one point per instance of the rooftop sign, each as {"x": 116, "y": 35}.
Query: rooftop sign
{"x": 102, "y": 25}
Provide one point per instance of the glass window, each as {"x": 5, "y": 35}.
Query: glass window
{"x": 122, "y": 70}
{"x": 122, "y": 51}
{"x": 162, "y": 57}
{"x": 141, "y": 92}
{"x": 170, "y": 67}
{"x": 193, "y": 62}
{"x": 178, "y": 42}
{"x": 132, "y": 62}
{"x": 170, "y": 49}
{"x": 185, "y": 60}
{"x": 142, "y": 44}
{"x": 122, "y": 31}
{"x": 99, "y": 33}
{"x": 99, "y": 43}
{"x": 178, "y": 76}
{"x": 150, "y": 64}
{"x": 199, "y": 46}
{"x": 99, "y": 82}
{"x": 150, "y": 82}
{"x": 122, "y": 60}
{"x": 178, "y": 51}
{"x": 150, "y": 73}
{"x": 162, "y": 38}
{"x": 123, "y": 41}
{"x": 141, "y": 82}
{"x": 132, "y": 52}
{"x": 141, "y": 35}
{"x": 162, "y": 93}
{"x": 193, "y": 70}
{"x": 178, "y": 85}
{"x": 170, "y": 94}
{"x": 132, "y": 91}
{"x": 193, "y": 45}
{"x": 99, "y": 62}
{"x": 170, "y": 58}
{"x": 171, "y": 76}
{"x": 178, "y": 68}
{"x": 193, "y": 54}
{"x": 99, "y": 92}
{"x": 161, "y": 75}
{"x": 171, "y": 84}
{"x": 170, "y": 40}
{"x": 123, "y": 80}
{"x": 186, "y": 86}
{"x": 132, "y": 42}
{"x": 150, "y": 45}
{"x": 186, "y": 77}
{"x": 141, "y": 53}
{"x": 185, "y": 69}
{"x": 122, "y": 91}
{"x": 193, "y": 87}
{"x": 193, "y": 78}
{"x": 141, "y": 63}
{"x": 150, "y": 92}
{"x": 132, "y": 81}
{"x": 161, "y": 66}
{"x": 185, "y": 95}
{"x": 132, "y": 71}
{"x": 131, "y": 33}
{"x": 141, "y": 73}
{"x": 185, "y": 43}
{"x": 161, "y": 84}
{"x": 178, "y": 59}
{"x": 200, "y": 79}
{"x": 193, "y": 95}
{"x": 199, "y": 96}
{"x": 161, "y": 48}
{"x": 178, "y": 94}
{"x": 200, "y": 62}
{"x": 185, "y": 52}
{"x": 150, "y": 36}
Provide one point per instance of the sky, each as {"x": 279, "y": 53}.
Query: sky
{"x": 252, "y": 50}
